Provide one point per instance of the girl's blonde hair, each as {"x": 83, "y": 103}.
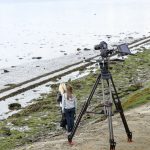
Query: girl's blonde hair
{"x": 62, "y": 88}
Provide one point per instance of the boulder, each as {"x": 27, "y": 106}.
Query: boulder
{"x": 14, "y": 106}
{"x": 6, "y": 71}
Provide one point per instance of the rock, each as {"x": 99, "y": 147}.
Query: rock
{"x": 48, "y": 85}
{"x": 34, "y": 90}
{"x": 130, "y": 37}
{"x": 65, "y": 53}
{"x": 78, "y": 49}
{"x": 17, "y": 115}
{"x": 6, "y": 71}
{"x": 36, "y": 57}
{"x": 62, "y": 51}
{"x": 108, "y": 36}
{"x": 87, "y": 49}
{"x": 13, "y": 66}
{"x": 42, "y": 44}
{"x": 54, "y": 86}
{"x": 14, "y": 106}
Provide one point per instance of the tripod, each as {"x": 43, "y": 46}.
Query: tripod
{"x": 105, "y": 75}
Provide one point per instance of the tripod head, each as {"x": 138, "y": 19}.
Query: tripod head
{"x": 106, "y": 53}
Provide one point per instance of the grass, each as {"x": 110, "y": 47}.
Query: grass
{"x": 137, "y": 99}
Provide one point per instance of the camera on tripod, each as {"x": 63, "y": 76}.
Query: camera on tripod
{"x": 103, "y": 47}
{"x": 105, "y": 75}
{"x": 122, "y": 49}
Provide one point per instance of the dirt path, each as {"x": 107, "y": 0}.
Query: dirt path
{"x": 94, "y": 136}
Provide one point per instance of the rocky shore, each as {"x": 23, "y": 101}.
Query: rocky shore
{"x": 40, "y": 120}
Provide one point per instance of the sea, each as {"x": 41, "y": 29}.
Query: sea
{"x": 50, "y": 29}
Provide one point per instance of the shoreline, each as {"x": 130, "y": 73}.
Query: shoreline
{"x": 16, "y": 89}
{"x": 52, "y": 68}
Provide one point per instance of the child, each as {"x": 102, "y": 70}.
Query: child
{"x": 69, "y": 106}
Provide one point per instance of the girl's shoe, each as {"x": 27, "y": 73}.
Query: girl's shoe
{"x": 71, "y": 143}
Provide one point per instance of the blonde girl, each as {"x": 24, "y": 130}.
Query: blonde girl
{"x": 69, "y": 105}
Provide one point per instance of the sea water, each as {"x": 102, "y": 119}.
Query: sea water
{"x": 51, "y": 28}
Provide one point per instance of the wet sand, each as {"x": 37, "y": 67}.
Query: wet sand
{"x": 33, "y": 69}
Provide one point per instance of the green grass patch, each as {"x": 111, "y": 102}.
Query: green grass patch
{"x": 137, "y": 99}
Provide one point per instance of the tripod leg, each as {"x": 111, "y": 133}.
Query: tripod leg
{"x": 111, "y": 134}
{"x": 108, "y": 108}
{"x": 84, "y": 108}
{"x": 108, "y": 113}
{"x": 120, "y": 109}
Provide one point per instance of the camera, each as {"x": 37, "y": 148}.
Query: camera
{"x": 122, "y": 49}
{"x": 103, "y": 47}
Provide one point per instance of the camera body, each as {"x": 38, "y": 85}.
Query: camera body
{"x": 103, "y": 47}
